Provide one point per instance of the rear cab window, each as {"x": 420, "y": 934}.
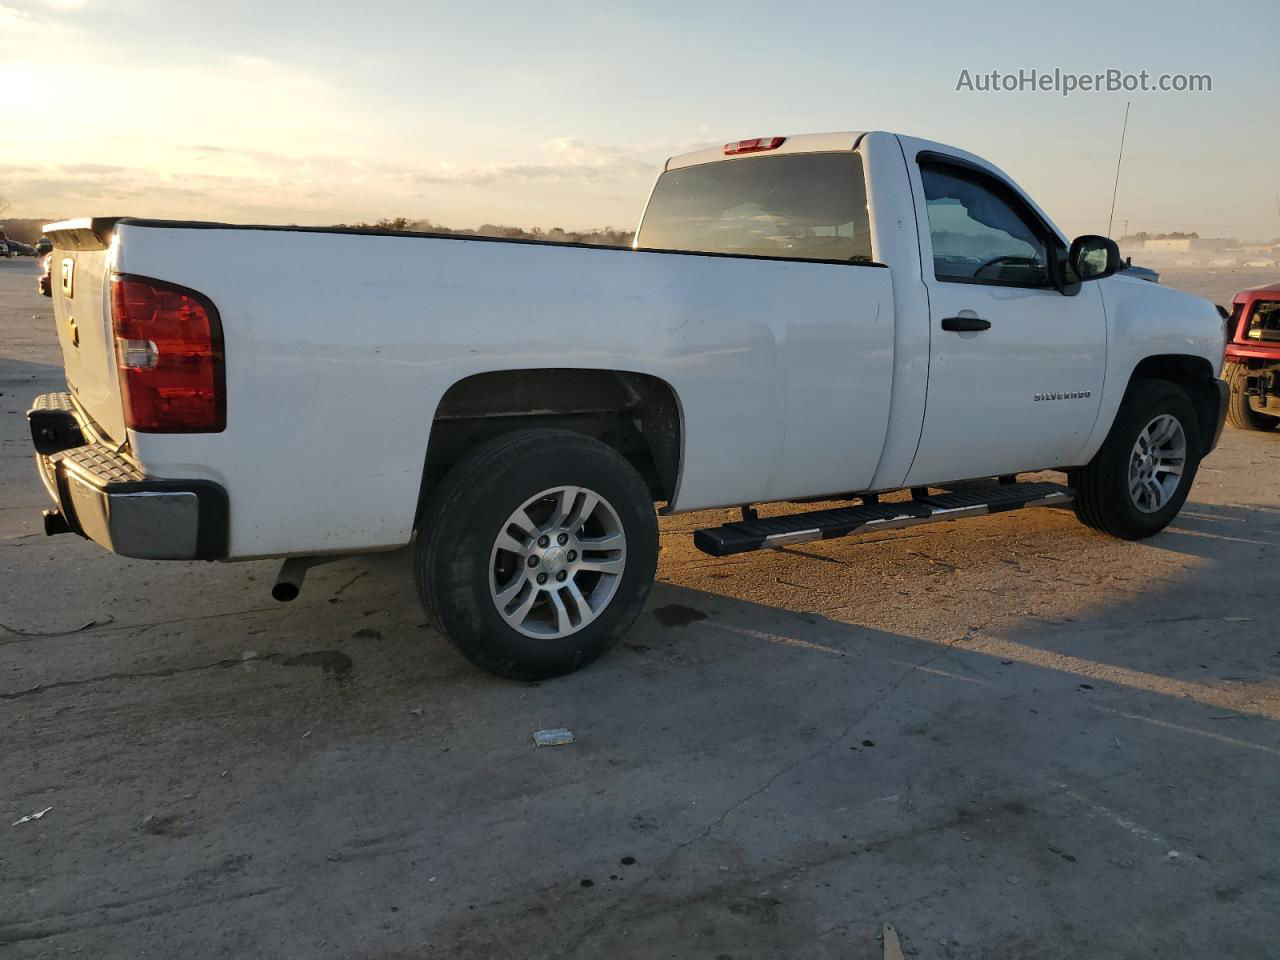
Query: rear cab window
{"x": 805, "y": 206}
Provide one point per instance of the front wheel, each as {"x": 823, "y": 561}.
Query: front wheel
{"x": 537, "y": 552}
{"x": 1137, "y": 482}
{"x": 1239, "y": 413}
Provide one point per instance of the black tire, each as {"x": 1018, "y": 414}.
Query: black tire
{"x": 455, "y": 544}
{"x": 1239, "y": 414}
{"x": 1103, "y": 500}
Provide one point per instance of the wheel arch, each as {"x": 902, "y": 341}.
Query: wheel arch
{"x": 1195, "y": 375}
{"x": 637, "y": 414}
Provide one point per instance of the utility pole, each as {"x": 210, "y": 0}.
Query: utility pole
{"x": 1119, "y": 157}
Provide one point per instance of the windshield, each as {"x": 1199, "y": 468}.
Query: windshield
{"x": 809, "y": 206}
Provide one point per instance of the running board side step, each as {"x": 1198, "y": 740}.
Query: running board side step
{"x": 768, "y": 532}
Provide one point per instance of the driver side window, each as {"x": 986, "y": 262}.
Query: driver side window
{"x": 978, "y": 233}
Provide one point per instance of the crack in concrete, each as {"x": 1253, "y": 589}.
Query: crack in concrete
{"x": 123, "y": 675}
{"x": 338, "y": 592}
{"x": 315, "y": 658}
{"x": 12, "y": 933}
{"x": 109, "y": 625}
{"x": 37, "y": 634}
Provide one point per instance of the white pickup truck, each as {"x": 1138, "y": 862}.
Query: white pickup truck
{"x": 821, "y": 317}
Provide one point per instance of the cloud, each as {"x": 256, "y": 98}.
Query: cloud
{"x": 11, "y": 18}
{"x": 235, "y": 154}
{"x": 565, "y": 159}
{"x": 562, "y": 180}
{"x": 44, "y": 14}
{"x": 228, "y": 135}
{"x": 93, "y": 168}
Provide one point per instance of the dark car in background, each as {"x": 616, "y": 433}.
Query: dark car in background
{"x": 1141, "y": 273}
{"x": 10, "y": 247}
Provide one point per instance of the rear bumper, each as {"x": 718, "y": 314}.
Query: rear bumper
{"x": 104, "y": 496}
{"x": 1252, "y": 351}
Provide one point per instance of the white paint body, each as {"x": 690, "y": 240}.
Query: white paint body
{"x": 794, "y": 379}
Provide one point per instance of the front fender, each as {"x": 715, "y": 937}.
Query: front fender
{"x": 1149, "y": 325}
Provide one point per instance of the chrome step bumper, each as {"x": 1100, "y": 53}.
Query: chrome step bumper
{"x": 104, "y": 496}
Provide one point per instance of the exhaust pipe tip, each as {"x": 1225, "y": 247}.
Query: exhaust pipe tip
{"x": 292, "y": 572}
{"x": 284, "y": 591}
{"x": 289, "y": 580}
{"x": 55, "y": 523}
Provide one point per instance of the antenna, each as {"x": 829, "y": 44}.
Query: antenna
{"x": 1115, "y": 189}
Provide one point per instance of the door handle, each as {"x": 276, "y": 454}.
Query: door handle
{"x": 965, "y": 324}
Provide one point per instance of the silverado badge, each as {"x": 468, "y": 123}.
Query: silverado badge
{"x": 1064, "y": 395}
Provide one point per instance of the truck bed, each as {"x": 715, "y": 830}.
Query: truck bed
{"x": 341, "y": 343}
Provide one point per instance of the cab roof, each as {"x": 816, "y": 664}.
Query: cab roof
{"x": 801, "y": 143}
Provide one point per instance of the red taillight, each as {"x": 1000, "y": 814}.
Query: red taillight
{"x": 753, "y": 146}
{"x": 168, "y": 346}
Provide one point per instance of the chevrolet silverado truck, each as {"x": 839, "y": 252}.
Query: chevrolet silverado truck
{"x": 864, "y": 318}
{"x": 1252, "y": 368}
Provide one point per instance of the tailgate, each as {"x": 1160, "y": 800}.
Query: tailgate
{"x": 81, "y": 271}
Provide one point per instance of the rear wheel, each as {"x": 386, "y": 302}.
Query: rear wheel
{"x": 1139, "y": 479}
{"x": 537, "y": 552}
{"x": 1239, "y": 413}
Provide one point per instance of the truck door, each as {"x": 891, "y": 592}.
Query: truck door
{"x": 789, "y": 362}
{"x": 1015, "y": 366}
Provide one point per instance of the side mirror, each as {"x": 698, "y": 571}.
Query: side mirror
{"x": 1093, "y": 257}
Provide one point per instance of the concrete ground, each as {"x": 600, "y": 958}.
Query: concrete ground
{"x": 1007, "y": 737}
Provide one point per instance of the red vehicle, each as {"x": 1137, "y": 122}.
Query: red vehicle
{"x": 1253, "y": 359}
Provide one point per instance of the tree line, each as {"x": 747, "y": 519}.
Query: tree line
{"x": 602, "y": 236}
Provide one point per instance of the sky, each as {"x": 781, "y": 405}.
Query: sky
{"x": 561, "y": 114}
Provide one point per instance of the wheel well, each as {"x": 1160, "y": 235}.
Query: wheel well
{"x": 636, "y": 414}
{"x": 1193, "y": 374}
